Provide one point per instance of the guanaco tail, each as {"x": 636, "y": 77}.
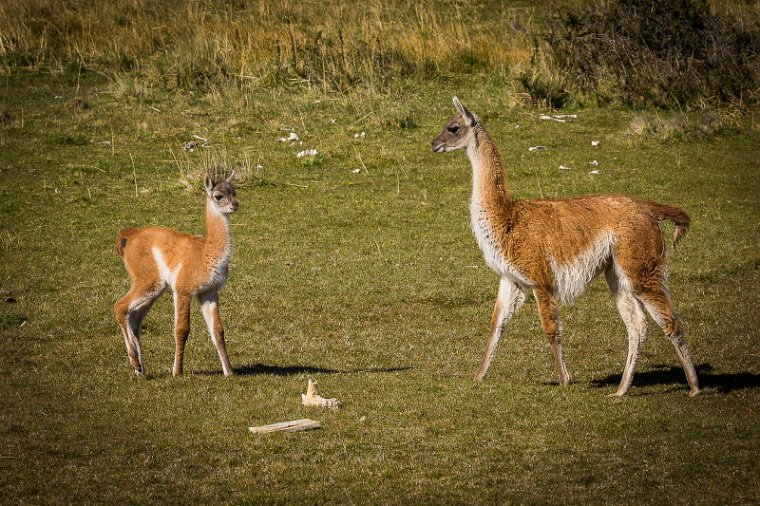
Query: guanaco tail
{"x": 158, "y": 258}
{"x": 554, "y": 247}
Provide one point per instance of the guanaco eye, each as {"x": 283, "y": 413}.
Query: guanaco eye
{"x": 218, "y": 197}
{"x": 453, "y": 129}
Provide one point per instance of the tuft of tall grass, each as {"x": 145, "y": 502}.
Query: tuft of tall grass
{"x": 679, "y": 126}
{"x": 214, "y": 162}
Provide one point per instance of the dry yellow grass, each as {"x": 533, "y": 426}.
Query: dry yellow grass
{"x": 328, "y": 44}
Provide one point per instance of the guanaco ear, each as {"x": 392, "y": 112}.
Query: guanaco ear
{"x": 469, "y": 117}
{"x": 208, "y": 183}
{"x": 229, "y": 178}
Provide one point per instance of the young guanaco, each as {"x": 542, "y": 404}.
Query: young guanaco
{"x": 158, "y": 258}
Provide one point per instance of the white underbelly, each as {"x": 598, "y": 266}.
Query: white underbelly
{"x": 571, "y": 279}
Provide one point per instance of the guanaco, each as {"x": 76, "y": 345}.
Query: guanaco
{"x": 158, "y": 258}
{"x": 554, "y": 247}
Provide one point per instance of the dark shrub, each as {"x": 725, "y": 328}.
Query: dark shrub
{"x": 666, "y": 53}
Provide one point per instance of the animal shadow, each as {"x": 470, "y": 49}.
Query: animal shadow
{"x": 295, "y": 370}
{"x": 674, "y": 375}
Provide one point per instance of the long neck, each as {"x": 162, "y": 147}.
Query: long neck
{"x": 489, "y": 181}
{"x": 218, "y": 241}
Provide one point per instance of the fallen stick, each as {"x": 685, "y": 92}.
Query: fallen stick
{"x": 291, "y": 426}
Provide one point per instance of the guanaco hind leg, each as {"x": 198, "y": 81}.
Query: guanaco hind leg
{"x": 659, "y": 306}
{"x": 632, "y": 314}
{"x": 130, "y": 312}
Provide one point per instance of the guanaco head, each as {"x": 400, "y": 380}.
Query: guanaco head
{"x": 222, "y": 194}
{"x": 458, "y": 131}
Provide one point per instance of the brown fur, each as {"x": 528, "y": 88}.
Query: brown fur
{"x": 538, "y": 229}
{"x": 122, "y": 237}
{"x": 158, "y": 258}
{"x": 674, "y": 214}
{"x": 554, "y": 247}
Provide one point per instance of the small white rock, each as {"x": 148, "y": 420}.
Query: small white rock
{"x": 564, "y": 167}
{"x": 595, "y": 143}
{"x": 290, "y": 138}
{"x": 307, "y": 152}
{"x": 593, "y": 163}
{"x": 594, "y": 172}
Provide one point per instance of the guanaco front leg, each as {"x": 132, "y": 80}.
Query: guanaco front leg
{"x": 508, "y": 301}
{"x": 181, "y": 329}
{"x": 548, "y": 313}
{"x": 210, "y": 308}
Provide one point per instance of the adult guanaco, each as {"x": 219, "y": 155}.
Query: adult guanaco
{"x": 158, "y": 258}
{"x": 554, "y": 247}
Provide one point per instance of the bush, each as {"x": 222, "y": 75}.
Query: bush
{"x": 674, "y": 53}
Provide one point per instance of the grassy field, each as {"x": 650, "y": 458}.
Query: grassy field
{"x": 357, "y": 268}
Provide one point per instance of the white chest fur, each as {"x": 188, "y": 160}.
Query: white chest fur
{"x": 218, "y": 275}
{"x": 489, "y": 245}
{"x": 218, "y": 228}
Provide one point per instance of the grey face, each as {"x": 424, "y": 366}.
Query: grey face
{"x": 457, "y": 131}
{"x": 222, "y": 194}
{"x": 455, "y": 135}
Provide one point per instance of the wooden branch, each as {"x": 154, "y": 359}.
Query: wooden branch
{"x": 291, "y": 426}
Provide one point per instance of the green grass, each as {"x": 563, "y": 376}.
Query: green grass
{"x": 370, "y": 283}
